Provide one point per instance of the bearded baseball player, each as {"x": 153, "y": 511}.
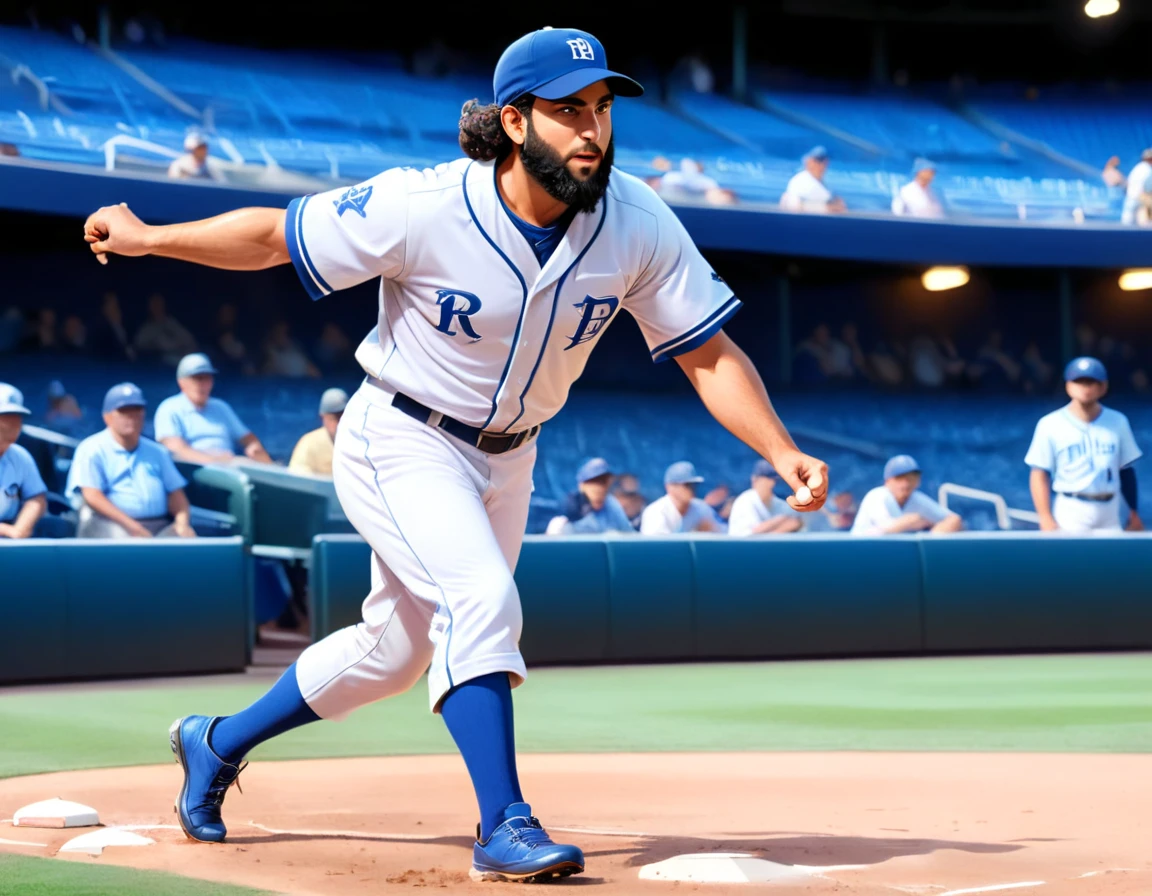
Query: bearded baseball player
{"x": 498, "y": 274}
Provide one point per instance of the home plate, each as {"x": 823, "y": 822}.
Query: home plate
{"x": 722, "y": 868}
{"x": 95, "y": 842}
{"x": 56, "y": 813}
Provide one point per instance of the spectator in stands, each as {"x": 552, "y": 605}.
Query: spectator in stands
{"x": 283, "y": 355}
{"x": 806, "y": 191}
{"x": 1123, "y": 365}
{"x": 333, "y": 349}
{"x": 899, "y": 506}
{"x": 758, "y": 511}
{"x": 821, "y": 358}
{"x": 691, "y": 184}
{"x": 228, "y": 343}
{"x": 74, "y": 335}
{"x": 201, "y": 429}
{"x": 63, "y": 414}
{"x": 886, "y": 363}
{"x": 162, "y": 336}
{"x": 679, "y": 510}
{"x": 934, "y": 362}
{"x": 313, "y": 453}
{"x": 692, "y": 72}
{"x": 110, "y": 339}
{"x": 1137, "y": 187}
{"x": 23, "y": 494}
{"x": 1035, "y": 372}
{"x": 125, "y": 485}
{"x": 11, "y": 328}
{"x": 720, "y": 499}
{"x": 592, "y": 509}
{"x": 42, "y": 335}
{"x": 917, "y": 198}
{"x": 994, "y": 367}
{"x": 1112, "y": 175}
{"x": 631, "y": 497}
{"x": 195, "y": 163}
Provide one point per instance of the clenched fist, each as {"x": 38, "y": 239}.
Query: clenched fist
{"x": 114, "y": 229}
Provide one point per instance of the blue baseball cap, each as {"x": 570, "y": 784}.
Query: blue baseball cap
{"x": 923, "y": 165}
{"x": 124, "y": 395}
{"x": 592, "y": 468}
{"x": 553, "y": 63}
{"x": 900, "y": 465}
{"x": 763, "y": 468}
{"x": 333, "y": 401}
{"x": 680, "y": 473}
{"x": 194, "y": 365}
{"x": 817, "y": 153}
{"x": 12, "y": 400}
{"x": 56, "y": 389}
{"x": 1085, "y": 369}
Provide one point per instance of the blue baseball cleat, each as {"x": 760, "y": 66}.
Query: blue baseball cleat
{"x": 207, "y": 778}
{"x": 521, "y": 850}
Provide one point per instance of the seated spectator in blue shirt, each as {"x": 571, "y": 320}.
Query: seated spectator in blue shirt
{"x": 23, "y": 494}
{"x": 198, "y": 428}
{"x": 591, "y": 509}
{"x": 125, "y": 485}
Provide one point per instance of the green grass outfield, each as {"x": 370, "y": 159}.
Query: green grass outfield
{"x": 1053, "y": 703}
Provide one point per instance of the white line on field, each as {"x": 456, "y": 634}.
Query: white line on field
{"x": 20, "y": 843}
{"x": 995, "y": 887}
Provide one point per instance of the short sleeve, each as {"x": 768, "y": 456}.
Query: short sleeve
{"x": 743, "y": 519}
{"x": 236, "y": 428}
{"x": 171, "y": 477}
{"x": 929, "y": 508}
{"x": 1040, "y": 451}
{"x": 678, "y": 301}
{"x": 86, "y": 470}
{"x": 300, "y": 462}
{"x": 1129, "y": 451}
{"x": 870, "y": 518}
{"x": 653, "y": 521}
{"x": 31, "y": 483}
{"x": 349, "y": 235}
{"x": 166, "y": 424}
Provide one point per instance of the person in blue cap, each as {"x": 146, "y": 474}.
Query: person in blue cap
{"x": 201, "y": 429}
{"x": 498, "y": 275}
{"x": 679, "y": 510}
{"x": 806, "y": 191}
{"x": 1084, "y": 452}
{"x": 23, "y": 494}
{"x": 917, "y": 198}
{"x": 899, "y": 506}
{"x": 758, "y": 511}
{"x": 124, "y": 484}
{"x": 592, "y": 508}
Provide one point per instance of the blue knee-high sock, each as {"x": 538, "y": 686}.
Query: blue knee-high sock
{"x": 281, "y": 709}
{"x": 478, "y": 714}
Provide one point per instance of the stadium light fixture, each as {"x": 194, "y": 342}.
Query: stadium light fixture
{"x": 938, "y": 279}
{"x": 1136, "y": 278}
{"x": 1096, "y": 9}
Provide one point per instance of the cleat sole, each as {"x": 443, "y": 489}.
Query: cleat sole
{"x": 561, "y": 870}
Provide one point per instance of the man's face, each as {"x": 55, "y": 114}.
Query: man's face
{"x": 127, "y": 422}
{"x": 817, "y": 167}
{"x": 765, "y": 486}
{"x": 924, "y": 178}
{"x": 331, "y": 421}
{"x": 682, "y": 492}
{"x": 1086, "y": 391}
{"x": 10, "y": 426}
{"x": 200, "y": 153}
{"x": 903, "y": 486}
{"x": 568, "y": 146}
{"x": 596, "y": 490}
{"x": 198, "y": 388}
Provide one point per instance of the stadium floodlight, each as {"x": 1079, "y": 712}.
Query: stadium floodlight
{"x": 1096, "y": 9}
{"x": 940, "y": 278}
{"x": 1136, "y": 278}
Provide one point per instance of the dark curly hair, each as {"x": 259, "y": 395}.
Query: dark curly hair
{"x": 482, "y": 136}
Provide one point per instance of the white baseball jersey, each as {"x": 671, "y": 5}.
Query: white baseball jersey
{"x": 662, "y": 518}
{"x": 916, "y": 201}
{"x": 748, "y": 511}
{"x": 879, "y": 508}
{"x": 469, "y": 323}
{"x": 1084, "y": 459}
{"x": 19, "y": 481}
{"x": 805, "y": 193}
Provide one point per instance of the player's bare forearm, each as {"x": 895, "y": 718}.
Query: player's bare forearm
{"x": 248, "y": 239}
{"x": 1040, "y": 484}
{"x": 734, "y": 394}
{"x": 254, "y": 450}
{"x": 29, "y": 516}
{"x": 181, "y": 450}
{"x": 180, "y": 511}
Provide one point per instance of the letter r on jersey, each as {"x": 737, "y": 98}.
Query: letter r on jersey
{"x": 455, "y": 303}
{"x": 597, "y": 313}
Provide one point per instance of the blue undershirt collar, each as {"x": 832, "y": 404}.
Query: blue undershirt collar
{"x": 542, "y": 240}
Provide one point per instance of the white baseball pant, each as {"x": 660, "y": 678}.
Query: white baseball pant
{"x": 1075, "y": 515}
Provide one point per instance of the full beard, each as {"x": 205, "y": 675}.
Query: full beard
{"x": 550, "y": 170}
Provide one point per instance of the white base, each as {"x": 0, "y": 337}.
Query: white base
{"x": 94, "y": 842}
{"x": 56, "y": 813}
{"x": 722, "y": 868}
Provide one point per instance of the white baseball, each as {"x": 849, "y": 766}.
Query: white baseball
{"x": 803, "y": 495}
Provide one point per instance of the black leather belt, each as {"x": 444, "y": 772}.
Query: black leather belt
{"x": 1101, "y": 498}
{"x": 488, "y": 442}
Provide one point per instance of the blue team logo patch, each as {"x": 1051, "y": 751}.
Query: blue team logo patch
{"x": 718, "y": 278}
{"x": 456, "y": 309}
{"x": 354, "y": 198}
{"x": 12, "y": 491}
{"x": 595, "y": 316}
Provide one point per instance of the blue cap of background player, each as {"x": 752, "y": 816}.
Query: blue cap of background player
{"x": 12, "y": 400}
{"x": 900, "y": 465}
{"x": 124, "y": 395}
{"x": 923, "y": 165}
{"x": 592, "y": 468}
{"x": 763, "y": 468}
{"x": 1085, "y": 369}
{"x": 681, "y": 473}
{"x": 194, "y": 365}
{"x": 816, "y": 154}
{"x": 554, "y": 63}
{"x": 333, "y": 401}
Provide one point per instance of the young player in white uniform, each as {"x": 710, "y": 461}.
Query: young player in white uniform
{"x": 898, "y": 506}
{"x": 758, "y": 511}
{"x": 806, "y": 191}
{"x": 497, "y": 275}
{"x": 1084, "y": 452}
